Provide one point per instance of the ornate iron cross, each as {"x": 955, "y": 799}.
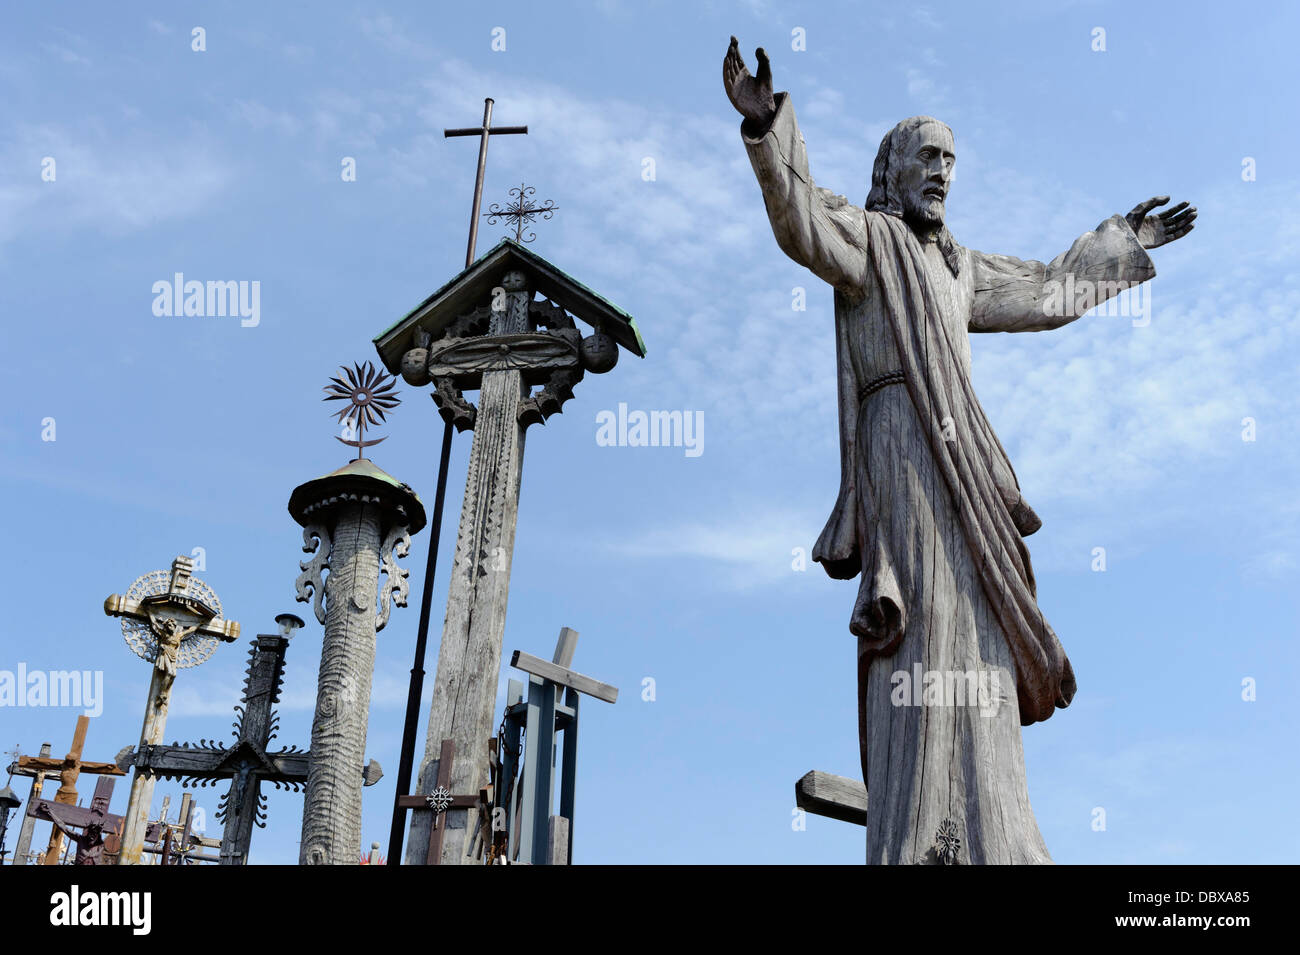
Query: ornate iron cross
{"x": 520, "y": 211}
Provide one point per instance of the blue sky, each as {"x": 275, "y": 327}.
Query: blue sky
{"x": 176, "y": 433}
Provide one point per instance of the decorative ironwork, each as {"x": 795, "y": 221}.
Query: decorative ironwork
{"x": 946, "y": 843}
{"x": 440, "y": 800}
{"x": 195, "y": 648}
{"x": 370, "y": 396}
{"x": 521, "y": 211}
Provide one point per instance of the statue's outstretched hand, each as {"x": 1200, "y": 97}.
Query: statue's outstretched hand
{"x": 750, "y": 94}
{"x": 1155, "y": 231}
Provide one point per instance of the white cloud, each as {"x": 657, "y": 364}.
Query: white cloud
{"x": 105, "y": 182}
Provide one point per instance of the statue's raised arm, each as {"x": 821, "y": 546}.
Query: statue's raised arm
{"x": 817, "y": 228}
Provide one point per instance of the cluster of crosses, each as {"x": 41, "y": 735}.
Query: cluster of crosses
{"x": 504, "y": 327}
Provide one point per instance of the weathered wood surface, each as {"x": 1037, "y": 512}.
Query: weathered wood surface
{"x": 331, "y": 823}
{"x": 836, "y": 797}
{"x": 180, "y": 760}
{"x": 557, "y": 844}
{"x": 24, "y": 844}
{"x": 469, "y": 655}
{"x": 563, "y": 676}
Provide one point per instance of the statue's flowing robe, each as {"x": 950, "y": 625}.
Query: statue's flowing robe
{"x": 929, "y": 512}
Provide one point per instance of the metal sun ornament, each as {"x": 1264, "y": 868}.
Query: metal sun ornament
{"x": 520, "y": 211}
{"x": 370, "y": 396}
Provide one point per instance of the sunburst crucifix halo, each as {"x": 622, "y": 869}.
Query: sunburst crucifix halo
{"x": 370, "y": 396}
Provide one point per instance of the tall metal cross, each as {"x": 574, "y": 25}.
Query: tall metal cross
{"x": 483, "y": 132}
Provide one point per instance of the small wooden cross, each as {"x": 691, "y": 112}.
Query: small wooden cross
{"x": 440, "y": 800}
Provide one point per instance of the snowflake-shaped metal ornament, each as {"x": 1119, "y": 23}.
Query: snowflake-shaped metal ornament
{"x": 946, "y": 843}
{"x": 521, "y": 211}
{"x": 195, "y": 648}
{"x": 370, "y": 396}
{"x": 439, "y": 800}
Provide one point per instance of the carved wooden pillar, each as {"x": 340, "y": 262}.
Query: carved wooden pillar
{"x": 469, "y": 657}
{"x": 357, "y": 521}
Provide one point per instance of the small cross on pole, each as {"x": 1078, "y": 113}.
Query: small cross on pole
{"x": 483, "y": 132}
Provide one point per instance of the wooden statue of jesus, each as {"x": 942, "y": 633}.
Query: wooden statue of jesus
{"x": 929, "y": 514}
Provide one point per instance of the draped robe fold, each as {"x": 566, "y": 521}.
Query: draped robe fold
{"x": 929, "y": 512}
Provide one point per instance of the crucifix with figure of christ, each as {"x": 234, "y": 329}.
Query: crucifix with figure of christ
{"x": 173, "y": 620}
{"x": 69, "y": 768}
{"x": 505, "y": 326}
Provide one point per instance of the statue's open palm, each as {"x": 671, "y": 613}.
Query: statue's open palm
{"x": 750, "y": 94}
{"x": 1155, "y": 231}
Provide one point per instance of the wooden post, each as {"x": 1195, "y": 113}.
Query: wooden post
{"x": 24, "y": 844}
{"x": 142, "y": 783}
{"x": 836, "y": 797}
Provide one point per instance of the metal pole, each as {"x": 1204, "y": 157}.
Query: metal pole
{"x": 478, "y": 181}
{"x": 416, "y": 689}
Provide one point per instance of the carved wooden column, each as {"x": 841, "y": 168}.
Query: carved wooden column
{"x": 469, "y": 657}
{"x": 357, "y": 521}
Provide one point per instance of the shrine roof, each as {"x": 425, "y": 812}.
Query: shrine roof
{"x": 473, "y": 287}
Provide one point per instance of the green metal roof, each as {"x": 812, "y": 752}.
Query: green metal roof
{"x": 472, "y": 285}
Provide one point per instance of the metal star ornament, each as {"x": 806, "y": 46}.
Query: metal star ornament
{"x": 370, "y": 396}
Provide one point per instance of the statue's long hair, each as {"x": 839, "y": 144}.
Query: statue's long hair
{"x": 884, "y": 195}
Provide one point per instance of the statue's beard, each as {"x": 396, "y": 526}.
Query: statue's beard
{"x": 923, "y": 212}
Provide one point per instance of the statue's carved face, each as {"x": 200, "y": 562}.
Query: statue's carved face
{"x": 925, "y": 175}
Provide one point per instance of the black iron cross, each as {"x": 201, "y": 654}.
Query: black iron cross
{"x": 439, "y": 801}
{"x": 483, "y": 132}
{"x": 521, "y": 211}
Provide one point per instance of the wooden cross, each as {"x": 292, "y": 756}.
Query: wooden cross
{"x": 483, "y": 132}
{"x": 68, "y": 768}
{"x": 442, "y": 799}
{"x": 99, "y": 827}
{"x": 536, "y": 835}
{"x": 171, "y": 616}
